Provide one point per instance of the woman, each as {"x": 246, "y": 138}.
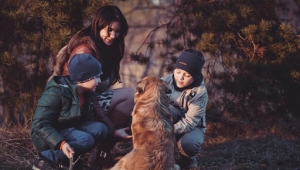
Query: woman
{"x": 104, "y": 39}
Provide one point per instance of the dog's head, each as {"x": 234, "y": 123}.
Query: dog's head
{"x": 152, "y": 86}
{"x": 151, "y": 96}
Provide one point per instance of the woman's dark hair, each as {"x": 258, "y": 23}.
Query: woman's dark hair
{"x": 110, "y": 56}
{"x": 104, "y": 16}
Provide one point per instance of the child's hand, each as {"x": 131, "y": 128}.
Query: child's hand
{"x": 67, "y": 150}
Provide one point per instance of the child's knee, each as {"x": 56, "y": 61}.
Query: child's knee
{"x": 83, "y": 143}
{"x": 90, "y": 143}
{"x": 101, "y": 130}
{"x": 189, "y": 147}
{"x": 97, "y": 129}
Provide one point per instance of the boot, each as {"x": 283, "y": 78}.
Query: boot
{"x": 188, "y": 163}
{"x": 41, "y": 163}
{"x": 99, "y": 156}
{"x": 121, "y": 149}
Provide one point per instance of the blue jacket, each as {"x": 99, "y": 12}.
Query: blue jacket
{"x": 189, "y": 105}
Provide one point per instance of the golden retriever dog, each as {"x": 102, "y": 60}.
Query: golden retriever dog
{"x": 152, "y": 129}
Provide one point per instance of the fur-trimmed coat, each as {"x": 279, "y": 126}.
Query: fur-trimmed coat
{"x": 81, "y": 42}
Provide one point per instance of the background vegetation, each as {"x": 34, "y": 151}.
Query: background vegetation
{"x": 252, "y": 73}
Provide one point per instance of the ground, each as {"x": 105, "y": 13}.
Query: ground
{"x": 266, "y": 149}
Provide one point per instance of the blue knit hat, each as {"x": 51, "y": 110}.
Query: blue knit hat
{"x": 191, "y": 61}
{"x": 83, "y": 67}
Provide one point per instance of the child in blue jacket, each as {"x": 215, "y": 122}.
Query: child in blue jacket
{"x": 188, "y": 101}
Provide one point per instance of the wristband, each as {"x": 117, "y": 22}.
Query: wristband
{"x": 61, "y": 145}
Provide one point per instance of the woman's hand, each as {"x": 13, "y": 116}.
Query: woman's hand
{"x": 67, "y": 150}
{"x": 122, "y": 133}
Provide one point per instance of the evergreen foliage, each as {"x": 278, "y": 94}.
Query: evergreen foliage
{"x": 253, "y": 62}
{"x": 252, "y": 68}
{"x": 31, "y": 32}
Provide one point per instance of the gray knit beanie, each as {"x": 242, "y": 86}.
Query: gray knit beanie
{"x": 83, "y": 67}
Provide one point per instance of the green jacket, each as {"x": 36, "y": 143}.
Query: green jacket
{"x": 58, "y": 108}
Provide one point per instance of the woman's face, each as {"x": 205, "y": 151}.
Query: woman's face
{"x": 182, "y": 78}
{"x": 110, "y": 33}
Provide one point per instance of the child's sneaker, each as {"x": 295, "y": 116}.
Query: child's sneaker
{"x": 41, "y": 163}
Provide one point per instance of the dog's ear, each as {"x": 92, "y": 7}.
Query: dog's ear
{"x": 140, "y": 88}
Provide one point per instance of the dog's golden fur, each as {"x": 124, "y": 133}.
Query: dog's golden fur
{"x": 152, "y": 129}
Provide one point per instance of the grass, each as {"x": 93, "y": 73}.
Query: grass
{"x": 16, "y": 149}
{"x": 226, "y": 147}
{"x": 268, "y": 152}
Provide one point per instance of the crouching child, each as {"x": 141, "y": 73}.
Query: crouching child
{"x": 188, "y": 101}
{"x": 63, "y": 125}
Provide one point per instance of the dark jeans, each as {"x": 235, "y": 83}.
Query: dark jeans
{"x": 81, "y": 138}
{"x": 189, "y": 144}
